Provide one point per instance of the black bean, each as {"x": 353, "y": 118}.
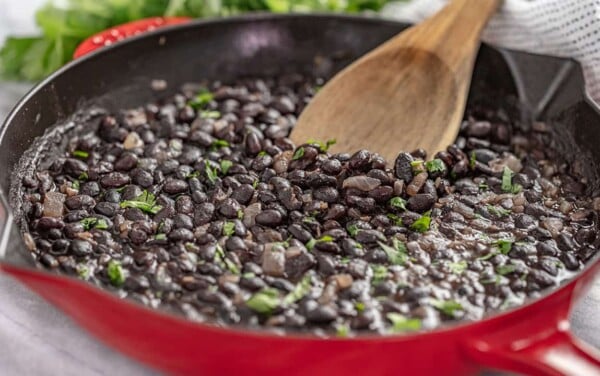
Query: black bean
{"x": 269, "y": 218}
{"x": 80, "y": 248}
{"x": 74, "y": 167}
{"x": 230, "y": 208}
{"x": 175, "y": 186}
{"x": 421, "y": 202}
{"x": 181, "y": 234}
{"x": 114, "y": 180}
{"x": 403, "y": 167}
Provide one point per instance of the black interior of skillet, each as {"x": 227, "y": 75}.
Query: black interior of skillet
{"x": 121, "y": 76}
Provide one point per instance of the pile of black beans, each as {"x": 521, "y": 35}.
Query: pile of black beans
{"x": 201, "y": 205}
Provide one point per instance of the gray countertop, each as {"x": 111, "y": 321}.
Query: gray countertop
{"x": 37, "y": 339}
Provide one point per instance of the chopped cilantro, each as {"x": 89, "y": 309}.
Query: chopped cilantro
{"x": 342, "y": 330}
{"x": 299, "y": 153}
{"x": 211, "y": 172}
{"x": 422, "y": 224}
{"x": 83, "y": 271}
{"x": 301, "y": 289}
{"x": 83, "y": 176}
{"x": 505, "y": 269}
{"x": 472, "y": 160}
{"x": 115, "y": 273}
{"x": 402, "y": 324}
{"x": 323, "y": 239}
{"x": 160, "y": 237}
{"x": 417, "y": 166}
{"x": 504, "y": 245}
{"x": 218, "y": 143}
{"x": 359, "y": 306}
{"x": 488, "y": 256}
{"x": 222, "y": 259}
{"x": 248, "y": 275}
{"x": 262, "y": 153}
{"x": 483, "y": 186}
{"x": 75, "y": 184}
{"x": 81, "y": 154}
{"x": 498, "y": 211}
{"x": 398, "y": 203}
{"x": 323, "y": 146}
{"x": 210, "y": 114}
{"x": 231, "y": 266}
{"x": 507, "y": 185}
{"x": 228, "y": 228}
{"x": 458, "y": 267}
{"x": 201, "y": 99}
{"x": 397, "y": 254}
{"x": 255, "y": 184}
{"x": 91, "y": 222}
{"x": 352, "y": 229}
{"x": 397, "y": 220}
{"x": 380, "y": 273}
{"x": 310, "y": 245}
{"x": 240, "y": 214}
{"x": 435, "y": 165}
{"x": 264, "y": 301}
{"x": 146, "y": 202}
{"x": 326, "y": 239}
{"x": 193, "y": 174}
{"x": 225, "y": 166}
{"x": 448, "y": 307}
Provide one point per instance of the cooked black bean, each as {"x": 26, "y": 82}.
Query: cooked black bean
{"x": 226, "y": 215}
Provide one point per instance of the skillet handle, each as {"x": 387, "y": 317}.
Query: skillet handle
{"x": 123, "y": 31}
{"x": 553, "y": 353}
{"x": 6, "y": 221}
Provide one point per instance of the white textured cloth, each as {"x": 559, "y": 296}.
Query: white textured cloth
{"x": 565, "y": 28}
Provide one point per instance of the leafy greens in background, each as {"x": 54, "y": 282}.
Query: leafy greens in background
{"x": 64, "y": 27}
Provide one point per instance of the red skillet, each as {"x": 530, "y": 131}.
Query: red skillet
{"x": 532, "y": 339}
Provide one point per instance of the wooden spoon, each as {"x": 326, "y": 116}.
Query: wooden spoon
{"x": 410, "y": 92}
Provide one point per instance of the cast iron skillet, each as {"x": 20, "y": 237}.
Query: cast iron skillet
{"x": 531, "y": 339}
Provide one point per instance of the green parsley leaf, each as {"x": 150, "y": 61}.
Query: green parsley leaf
{"x": 240, "y": 214}
{"x": 225, "y": 166}
{"x": 323, "y": 146}
{"x": 75, "y": 184}
{"x": 397, "y": 220}
{"x": 218, "y": 143}
{"x": 402, "y": 324}
{"x": 458, "y": 267}
{"x": 325, "y": 239}
{"x": 310, "y": 245}
{"x": 342, "y": 330}
{"x": 145, "y": 202}
{"x": 417, "y": 166}
{"x": 352, "y": 230}
{"x": 81, "y": 154}
{"x": 397, "y": 255}
{"x": 504, "y": 245}
{"x": 83, "y": 176}
{"x": 498, "y": 211}
{"x": 115, "y": 273}
{"x": 299, "y": 153}
{"x": 301, "y": 289}
{"x": 160, "y": 237}
{"x": 211, "y": 172}
{"x": 201, "y": 99}
{"x": 264, "y": 301}
{"x": 435, "y": 165}
{"x": 398, "y": 203}
{"x": 380, "y": 274}
{"x": 422, "y": 224}
{"x": 472, "y": 160}
{"x": 507, "y": 185}
{"x": 228, "y": 228}
{"x": 505, "y": 269}
{"x": 448, "y": 307}
{"x": 210, "y": 114}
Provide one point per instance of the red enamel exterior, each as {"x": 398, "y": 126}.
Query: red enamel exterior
{"x": 524, "y": 340}
{"x": 533, "y": 339}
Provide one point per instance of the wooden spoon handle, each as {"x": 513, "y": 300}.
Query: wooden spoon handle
{"x": 452, "y": 34}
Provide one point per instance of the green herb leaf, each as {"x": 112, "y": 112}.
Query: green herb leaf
{"x": 325, "y": 239}
{"x": 310, "y": 245}
{"x": 115, "y": 273}
{"x": 417, "y": 166}
{"x": 203, "y": 98}
{"x": 359, "y": 306}
{"x": 397, "y": 220}
{"x": 75, "y": 184}
{"x": 380, "y": 274}
{"x": 483, "y": 186}
{"x": 498, "y": 211}
{"x": 240, "y": 214}
{"x": 160, "y": 237}
{"x": 352, "y": 230}
{"x": 397, "y": 255}
{"x": 218, "y": 143}
{"x": 458, "y": 267}
{"x": 398, "y": 203}
{"x": 301, "y": 289}
{"x": 145, "y": 202}
{"x": 422, "y": 224}
{"x": 488, "y": 256}
{"x": 299, "y": 153}
{"x": 505, "y": 269}
{"x": 507, "y": 185}
{"x": 83, "y": 271}
{"x": 504, "y": 245}
{"x": 228, "y": 228}
{"x": 472, "y": 160}
{"x": 211, "y": 173}
{"x": 323, "y": 146}
{"x": 248, "y": 275}
{"x": 435, "y": 165}
{"x": 81, "y": 154}
{"x": 210, "y": 114}
{"x": 264, "y": 301}
{"x": 193, "y": 174}
{"x": 83, "y": 176}
{"x": 448, "y": 307}
{"x": 342, "y": 330}
{"x": 402, "y": 324}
